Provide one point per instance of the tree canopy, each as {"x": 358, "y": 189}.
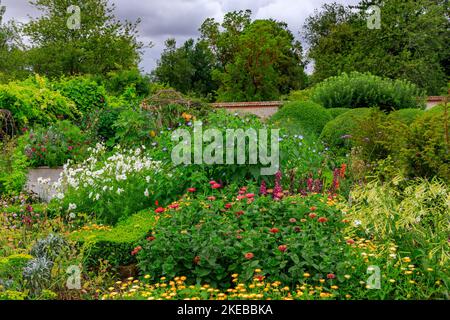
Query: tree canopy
{"x": 411, "y": 44}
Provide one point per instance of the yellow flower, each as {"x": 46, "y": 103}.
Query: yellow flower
{"x": 306, "y": 275}
{"x": 406, "y": 259}
{"x": 334, "y": 287}
{"x": 348, "y": 296}
{"x": 147, "y": 276}
{"x": 322, "y": 280}
{"x": 182, "y": 278}
{"x": 130, "y": 278}
{"x": 163, "y": 278}
{"x": 430, "y": 269}
{"x": 234, "y": 275}
{"x": 407, "y": 272}
{"x": 347, "y": 276}
{"x": 257, "y": 270}
{"x": 391, "y": 280}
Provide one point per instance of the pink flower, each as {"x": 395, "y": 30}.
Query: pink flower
{"x": 240, "y": 197}
{"x": 249, "y": 256}
{"x": 250, "y": 195}
{"x": 282, "y": 247}
{"x": 211, "y": 198}
{"x": 263, "y": 188}
{"x": 159, "y": 210}
{"x": 212, "y": 182}
{"x": 191, "y": 190}
{"x": 216, "y": 186}
{"x": 174, "y": 206}
{"x": 331, "y": 276}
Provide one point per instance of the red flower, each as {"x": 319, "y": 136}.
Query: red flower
{"x": 191, "y": 190}
{"x": 342, "y": 171}
{"x": 212, "y": 182}
{"x": 228, "y": 205}
{"x": 350, "y": 241}
{"x": 312, "y": 215}
{"x": 174, "y": 206}
{"x": 274, "y": 230}
{"x": 250, "y": 195}
{"x": 297, "y": 229}
{"x": 159, "y": 210}
{"x": 70, "y": 148}
{"x": 197, "y": 260}
{"x": 313, "y": 208}
{"x": 151, "y": 238}
{"x": 259, "y": 277}
{"x": 243, "y": 189}
{"x": 331, "y": 276}
{"x": 240, "y": 197}
{"x": 322, "y": 219}
{"x": 156, "y": 203}
{"x": 211, "y": 198}
{"x": 136, "y": 250}
{"x": 249, "y": 255}
{"x": 241, "y": 192}
{"x": 216, "y": 186}
{"x": 239, "y": 213}
{"x": 282, "y": 247}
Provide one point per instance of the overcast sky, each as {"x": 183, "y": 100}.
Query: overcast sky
{"x": 180, "y": 19}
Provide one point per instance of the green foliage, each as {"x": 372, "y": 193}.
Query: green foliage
{"x": 203, "y": 239}
{"x": 407, "y": 116}
{"x": 114, "y": 245}
{"x": 359, "y": 90}
{"x": 117, "y": 82}
{"x": 426, "y": 149}
{"x": 338, "y": 132}
{"x": 132, "y": 126}
{"x": 188, "y": 68}
{"x": 306, "y": 118}
{"x": 298, "y": 95}
{"x": 335, "y": 112}
{"x": 85, "y": 92}
{"x": 266, "y": 62}
{"x": 14, "y": 167}
{"x": 102, "y": 43}
{"x": 32, "y": 102}
{"x": 411, "y": 43}
{"x": 54, "y": 145}
{"x": 11, "y": 266}
{"x": 415, "y": 214}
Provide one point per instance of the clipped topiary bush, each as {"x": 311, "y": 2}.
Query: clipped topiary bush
{"x": 363, "y": 90}
{"x": 406, "y": 116}
{"x": 335, "y": 112}
{"x": 337, "y": 133}
{"x": 114, "y": 244}
{"x": 305, "y": 117}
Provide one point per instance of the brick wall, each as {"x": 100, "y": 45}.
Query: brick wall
{"x": 266, "y": 109}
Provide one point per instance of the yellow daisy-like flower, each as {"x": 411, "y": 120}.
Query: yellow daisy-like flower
{"x": 306, "y": 275}
{"x": 147, "y": 276}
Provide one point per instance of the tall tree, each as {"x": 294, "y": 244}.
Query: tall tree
{"x": 267, "y": 63}
{"x": 12, "y": 54}
{"x": 187, "y": 68}
{"x": 101, "y": 43}
{"x": 411, "y": 44}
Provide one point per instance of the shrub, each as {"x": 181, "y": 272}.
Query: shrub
{"x": 117, "y": 82}
{"x": 360, "y": 90}
{"x": 426, "y": 150}
{"x": 302, "y": 117}
{"x": 298, "y": 95}
{"x": 114, "y": 244}
{"x": 407, "y": 116}
{"x": 13, "y": 166}
{"x": 337, "y": 133}
{"x": 335, "y": 112}
{"x": 52, "y": 146}
{"x": 85, "y": 92}
{"x": 32, "y": 102}
{"x": 11, "y": 268}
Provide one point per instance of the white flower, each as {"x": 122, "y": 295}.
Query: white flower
{"x": 357, "y": 223}
{"x": 146, "y": 193}
{"x": 72, "y": 206}
{"x": 119, "y": 191}
{"x": 72, "y": 215}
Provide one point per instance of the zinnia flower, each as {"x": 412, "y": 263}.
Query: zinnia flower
{"x": 191, "y": 190}
{"x": 249, "y": 255}
{"x": 322, "y": 219}
{"x": 274, "y": 230}
{"x": 159, "y": 210}
{"x": 331, "y": 276}
{"x": 282, "y": 247}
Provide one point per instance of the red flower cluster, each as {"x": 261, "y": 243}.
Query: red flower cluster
{"x": 160, "y": 210}
{"x": 136, "y": 250}
{"x": 322, "y": 219}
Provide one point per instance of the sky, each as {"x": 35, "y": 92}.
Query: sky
{"x": 180, "y": 19}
